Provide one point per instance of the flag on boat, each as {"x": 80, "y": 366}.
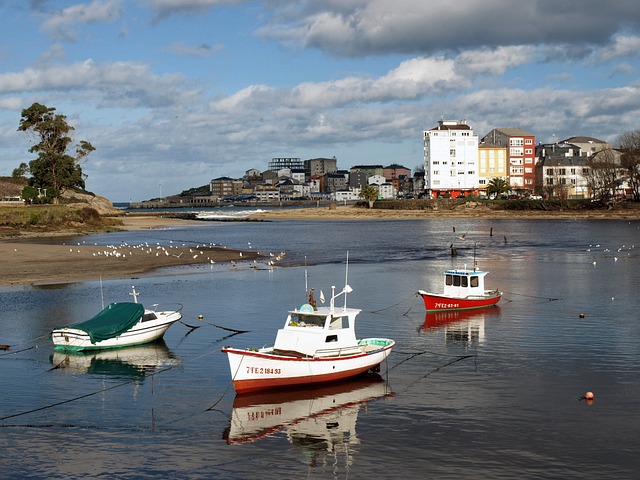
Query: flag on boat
{"x": 321, "y": 296}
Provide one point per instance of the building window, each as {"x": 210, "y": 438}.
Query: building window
{"x": 528, "y": 141}
{"x": 516, "y": 142}
{"x": 452, "y": 152}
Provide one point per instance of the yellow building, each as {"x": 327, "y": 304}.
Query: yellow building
{"x": 492, "y": 163}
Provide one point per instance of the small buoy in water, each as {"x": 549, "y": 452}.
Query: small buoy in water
{"x": 588, "y": 396}
{"x": 200, "y": 317}
{"x": 582, "y": 315}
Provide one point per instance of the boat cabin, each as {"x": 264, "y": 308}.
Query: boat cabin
{"x": 461, "y": 283}
{"x": 321, "y": 332}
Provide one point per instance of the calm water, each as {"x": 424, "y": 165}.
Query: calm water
{"x": 491, "y": 394}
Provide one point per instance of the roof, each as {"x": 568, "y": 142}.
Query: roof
{"x": 515, "y": 132}
{"x": 582, "y": 140}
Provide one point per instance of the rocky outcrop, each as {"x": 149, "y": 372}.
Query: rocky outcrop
{"x": 102, "y": 205}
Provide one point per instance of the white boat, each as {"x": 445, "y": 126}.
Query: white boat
{"x": 324, "y": 414}
{"x": 120, "y": 324}
{"x": 315, "y": 345}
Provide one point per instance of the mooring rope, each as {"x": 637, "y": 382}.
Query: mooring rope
{"x": 112, "y": 387}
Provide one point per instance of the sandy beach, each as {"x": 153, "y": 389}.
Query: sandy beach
{"x": 467, "y": 210}
{"x": 46, "y": 260}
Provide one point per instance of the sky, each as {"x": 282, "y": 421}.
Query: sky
{"x": 174, "y": 93}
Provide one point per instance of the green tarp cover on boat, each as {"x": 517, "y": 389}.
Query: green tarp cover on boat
{"x": 114, "y": 320}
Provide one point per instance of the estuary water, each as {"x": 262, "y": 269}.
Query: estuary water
{"x": 492, "y": 393}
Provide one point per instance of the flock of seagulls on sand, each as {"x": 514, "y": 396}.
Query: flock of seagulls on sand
{"x": 125, "y": 250}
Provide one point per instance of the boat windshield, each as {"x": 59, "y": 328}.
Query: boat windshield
{"x": 461, "y": 280}
{"x": 306, "y": 320}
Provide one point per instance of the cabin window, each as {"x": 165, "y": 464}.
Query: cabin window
{"x": 149, "y": 316}
{"x": 464, "y": 281}
{"x": 456, "y": 280}
{"x": 338, "y": 323}
{"x": 306, "y": 321}
{"x": 474, "y": 281}
{"x": 331, "y": 338}
{"x": 448, "y": 280}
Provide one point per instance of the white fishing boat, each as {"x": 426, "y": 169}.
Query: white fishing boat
{"x": 120, "y": 324}
{"x": 316, "y": 345}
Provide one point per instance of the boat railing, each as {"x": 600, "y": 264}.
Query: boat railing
{"x": 165, "y": 307}
{"x": 337, "y": 352}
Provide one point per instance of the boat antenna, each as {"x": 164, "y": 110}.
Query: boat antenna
{"x": 306, "y": 282}
{"x": 475, "y": 262}
{"x": 135, "y": 294}
{"x": 346, "y": 280}
{"x": 101, "y": 292}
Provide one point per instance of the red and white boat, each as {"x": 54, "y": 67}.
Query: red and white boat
{"x": 463, "y": 290}
{"x": 315, "y": 345}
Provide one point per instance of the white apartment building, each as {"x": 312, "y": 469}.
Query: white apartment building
{"x": 450, "y": 159}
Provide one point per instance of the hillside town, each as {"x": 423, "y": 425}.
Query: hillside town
{"x": 457, "y": 163}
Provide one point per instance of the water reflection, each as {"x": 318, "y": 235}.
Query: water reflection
{"x": 466, "y": 326}
{"x": 130, "y": 362}
{"x": 315, "y": 420}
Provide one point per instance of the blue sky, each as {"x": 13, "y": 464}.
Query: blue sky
{"x": 173, "y": 93}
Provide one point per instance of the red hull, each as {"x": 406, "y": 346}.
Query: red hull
{"x": 440, "y": 303}
{"x": 255, "y": 385}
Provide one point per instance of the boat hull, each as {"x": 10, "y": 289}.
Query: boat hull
{"x": 434, "y": 302}
{"x": 74, "y": 340}
{"x": 253, "y": 371}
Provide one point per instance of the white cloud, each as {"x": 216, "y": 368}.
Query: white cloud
{"x": 621, "y": 47}
{"x": 61, "y": 23}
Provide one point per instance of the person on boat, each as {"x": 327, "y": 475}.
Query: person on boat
{"x": 312, "y": 300}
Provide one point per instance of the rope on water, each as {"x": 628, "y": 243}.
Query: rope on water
{"x": 396, "y": 304}
{"x": 537, "y": 297}
{"x": 113, "y": 387}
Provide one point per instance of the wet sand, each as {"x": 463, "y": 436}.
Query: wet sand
{"x": 41, "y": 260}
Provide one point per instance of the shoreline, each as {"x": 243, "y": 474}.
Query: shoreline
{"x": 469, "y": 211}
{"x": 47, "y": 258}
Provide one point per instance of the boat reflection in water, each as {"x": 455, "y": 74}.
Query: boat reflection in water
{"x": 462, "y": 325}
{"x": 316, "y": 420}
{"x": 129, "y": 362}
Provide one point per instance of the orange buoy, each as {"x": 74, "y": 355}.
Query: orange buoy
{"x": 588, "y": 396}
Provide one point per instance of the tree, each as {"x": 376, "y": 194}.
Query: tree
{"x": 604, "y": 178}
{"x": 497, "y": 186}
{"x": 629, "y": 143}
{"x": 54, "y": 168}
{"x": 369, "y": 193}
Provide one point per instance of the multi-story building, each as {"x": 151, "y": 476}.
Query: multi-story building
{"x": 224, "y": 186}
{"x": 279, "y": 163}
{"x": 450, "y": 159}
{"x": 368, "y": 170}
{"x": 521, "y": 154}
{"x": 320, "y": 166}
{"x": 565, "y": 176}
{"x": 587, "y": 145}
{"x": 336, "y": 181}
{"x": 395, "y": 171}
{"x": 492, "y": 163}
